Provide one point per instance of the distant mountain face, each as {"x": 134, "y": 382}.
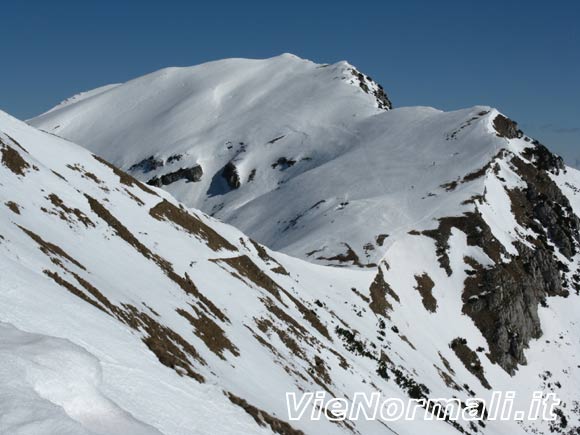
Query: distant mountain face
{"x": 461, "y": 233}
{"x": 308, "y": 159}
{"x": 244, "y": 139}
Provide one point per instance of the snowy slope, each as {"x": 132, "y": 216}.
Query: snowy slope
{"x": 309, "y": 115}
{"x": 468, "y": 229}
{"x": 309, "y": 146}
{"x": 323, "y": 170}
{"x": 158, "y": 311}
{"x": 50, "y": 385}
{"x": 306, "y": 158}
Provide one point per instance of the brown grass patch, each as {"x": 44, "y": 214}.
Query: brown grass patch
{"x": 13, "y": 160}
{"x": 446, "y": 364}
{"x": 84, "y": 173}
{"x": 184, "y": 282}
{"x": 348, "y": 257}
{"x": 262, "y": 418}
{"x": 69, "y": 214}
{"x": 360, "y": 295}
{"x": 74, "y": 290}
{"x": 379, "y": 290}
{"x": 170, "y": 348}
{"x": 268, "y": 259}
{"x": 51, "y": 249}
{"x": 310, "y": 316}
{"x": 124, "y": 178}
{"x": 134, "y": 197}
{"x": 247, "y": 269}
{"x": 406, "y": 340}
{"x": 15, "y": 208}
{"x": 321, "y": 370}
{"x": 266, "y": 325}
{"x": 447, "y": 378}
{"x": 193, "y": 225}
{"x": 425, "y": 288}
{"x": 210, "y": 332}
{"x": 470, "y": 360}
{"x": 291, "y": 323}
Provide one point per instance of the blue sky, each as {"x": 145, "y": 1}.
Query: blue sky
{"x": 522, "y": 57}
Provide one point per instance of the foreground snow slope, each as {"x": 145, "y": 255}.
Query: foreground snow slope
{"x": 50, "y": 385}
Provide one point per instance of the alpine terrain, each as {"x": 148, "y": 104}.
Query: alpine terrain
{"x": 179, "y": 252}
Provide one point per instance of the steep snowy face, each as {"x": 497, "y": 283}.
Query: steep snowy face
{"x": 509, "y": 262}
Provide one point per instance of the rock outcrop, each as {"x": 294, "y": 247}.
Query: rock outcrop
{"x": 192, "y": 174}
{"x": 231, "y": 175}
{"x": 507, "y": 128}
{"x": 370, "y": 87}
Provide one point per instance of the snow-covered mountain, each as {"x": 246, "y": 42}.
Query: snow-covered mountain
{"x": 305, "y": 158}
{"x": 245, "y": 141}
{"x": 123, "y": 311}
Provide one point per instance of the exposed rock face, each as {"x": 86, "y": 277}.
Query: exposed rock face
{"x": 382, "y": 99}
{"x": 503, "y": 302}
{"x": 544, "y": 159}
{"x": 283, "y": 163}
{"x": 507, "y": 128}
{"x": 152, "y": 163}
{"x": 503, "y": 299}
{"x": 545, "y": 203}
{"x": 378, "y": 291}
{"x": 477, "y": 231}
{"x": 469, "y": 359}
{"x": 370, "y": 87}
{"x": 230, "y": 173}
{"x": 192, "y": 174}
{"x": 425, "y": 288}
{"x": 147, "y": 165}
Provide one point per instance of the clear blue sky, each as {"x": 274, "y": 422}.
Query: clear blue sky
{"x": 520, "y": 56}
